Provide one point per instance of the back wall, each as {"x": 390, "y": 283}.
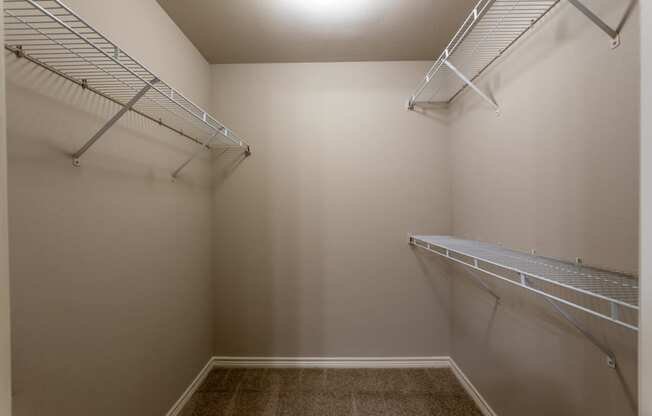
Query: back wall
{"x": 310, "y": 240}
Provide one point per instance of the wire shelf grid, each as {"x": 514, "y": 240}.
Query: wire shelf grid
{"x": 616, "y": 290}
{"x": 51, "y": 35}
{"x": 489, "y": 30}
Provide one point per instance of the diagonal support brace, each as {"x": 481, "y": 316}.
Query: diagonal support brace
{"x": 611, "y": 359}
{"x": 206, "y": 144}
{"x": 474, "y": 276}
{"x": 613, "y": 34}
{"x": 484, "y": 285}
{"x": 472, "y": 85}
{"x": 110, "y": 123}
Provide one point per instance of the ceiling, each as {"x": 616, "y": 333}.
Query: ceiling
{"x": 247, "y": 31}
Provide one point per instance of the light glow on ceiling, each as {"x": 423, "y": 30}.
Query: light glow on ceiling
{"x": 329, "y": 10}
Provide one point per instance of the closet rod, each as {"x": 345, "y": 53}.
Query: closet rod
{"x": 51, "y": 35}
{"x": 17, "y": 51}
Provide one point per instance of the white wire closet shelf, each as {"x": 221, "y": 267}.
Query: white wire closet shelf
{"x": 609, "y": 295}
{"x": 49, "y": 34}
{"x": 491, "y": 28}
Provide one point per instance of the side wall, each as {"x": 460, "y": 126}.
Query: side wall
{"x": 645, "y": 346}
{"x": 557, "y": 172}
{"x": 111, "y": 283}
{"x": 5, "y": 331}
{"x": 311, "y": 254}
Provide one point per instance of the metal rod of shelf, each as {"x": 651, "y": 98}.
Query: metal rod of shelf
{"x": 611, "y": 358}
{"x": 524, "y": 282}
{"x": 444, "y": 251}
{"x": 51, "y": 35}
{"x": 16, "y": 51}
{"x": 491, "y": 28}
{"x": 111, "y": 122}
{"x": 117, "y": 61}
{"x": 472, "y": 85}
{"x": 486, "y": 287}
{"x": 612, "y": 33}
{"x": 207, "y": 144}
{"x": 470, "y": 22}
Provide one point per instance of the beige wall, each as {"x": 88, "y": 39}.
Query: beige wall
{"x": 5, "y": 332}
{"x": 311, "y": 254}
{"x": 557, "y": 172}
{"x": 111, "y": 272}
{"x": 645, "y": 346}
{"x": 114, "y": 292}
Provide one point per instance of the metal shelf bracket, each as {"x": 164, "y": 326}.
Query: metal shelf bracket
{"x": 611, "y": 358}
{"x": 206, "y": 145}
{"x": 49, "y": 34}
{"x": 77, "y": 156}
{"x": 481, "y": 282}
{"x": 491, "y": 28}
{"x": 528, "y": 271}
{"x": 612, "y": 33}
{"x": 472, "y": 85}
{"x": 546, "y": 277}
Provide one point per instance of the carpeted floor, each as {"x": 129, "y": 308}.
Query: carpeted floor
{"x": 332, "y": 392}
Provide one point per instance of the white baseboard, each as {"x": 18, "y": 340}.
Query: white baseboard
{"x": 333, "y": 362}
{"x": 192, "y": 388}
{"x": 482, "y": 404}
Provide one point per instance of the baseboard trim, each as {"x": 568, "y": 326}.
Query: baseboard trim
{"x": 192, "y": 388}
{"x": 471, "y": 390}
{"x": 333, "y": 362}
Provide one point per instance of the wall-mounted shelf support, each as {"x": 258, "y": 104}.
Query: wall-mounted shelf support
{"x": 492, "y": 27}
{"x": 484, "y": 285}
{"x": 470, "y": 84}
{"x": 207, "y": 144}
{"x": 52, "y": 36}
{"x": 447, "y": 254}
{"x": 612, "y": 33}
{"x": 110, "y": 123}
{"x": 551, "y": 279}
{"x": 603, "y": 294}
{"x": 611, "y": 358}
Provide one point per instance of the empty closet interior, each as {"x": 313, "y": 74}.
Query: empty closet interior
{"x": 351, "y": 207}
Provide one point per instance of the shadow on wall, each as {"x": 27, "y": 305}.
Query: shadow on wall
{"x": 434, "y": 111}
{"x": 428, "y": 263}
{"x": 435, "y": 272}
{"x": 228, "y": 161}
{"x": 494, "y": 81}
{"x": 527, "y": 348}
{"x": 154, "y": 154}
{"x": 109, "y": 254}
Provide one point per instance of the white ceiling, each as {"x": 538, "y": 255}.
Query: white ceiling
{"x": 238, "y": 31}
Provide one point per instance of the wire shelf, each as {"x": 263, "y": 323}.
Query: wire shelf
{"x": 491, "y": 28}
{"x": 609, "y": 295}
{"x": 51, "y": 35}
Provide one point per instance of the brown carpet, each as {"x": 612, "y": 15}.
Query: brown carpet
{"x": 332, "y": 392}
